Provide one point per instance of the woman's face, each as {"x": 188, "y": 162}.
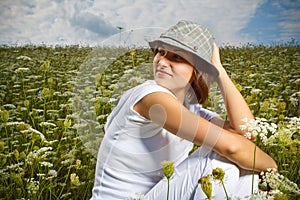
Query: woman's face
{"x": 171, "y": 70}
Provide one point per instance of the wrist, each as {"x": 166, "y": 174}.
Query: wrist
{"x": 222, "y": 75}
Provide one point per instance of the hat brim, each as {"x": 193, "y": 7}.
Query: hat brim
{"x": 199, "y": 63}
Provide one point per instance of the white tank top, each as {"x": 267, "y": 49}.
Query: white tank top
{"x": 133, "y": 147}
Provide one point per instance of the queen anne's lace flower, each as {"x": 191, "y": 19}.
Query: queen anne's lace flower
{"x": 278, "y": 182}
{"x": 259, "y": 127}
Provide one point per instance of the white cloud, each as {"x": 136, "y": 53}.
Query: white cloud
{"x": 224, "y": 19}
{"x": 290, "y": 15}
{"x": 90, "y": 22}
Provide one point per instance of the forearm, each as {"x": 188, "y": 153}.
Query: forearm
{"x": 232, "y": 146}
{"x": 262, "y": 160}
{"x": 236, "y": 106}
{"x": 244, "y": 153}
{"x": 165, "y": 110}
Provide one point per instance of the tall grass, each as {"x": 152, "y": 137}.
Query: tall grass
{"x": 43, "y": 156}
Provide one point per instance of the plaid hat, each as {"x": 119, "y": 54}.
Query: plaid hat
{"x": 193, "y": 39}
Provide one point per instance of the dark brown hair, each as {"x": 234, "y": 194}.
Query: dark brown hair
{"x": 198, "y": 92}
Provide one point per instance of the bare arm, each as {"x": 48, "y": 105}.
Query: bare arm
{"x": 164, "y": 109}
{"x": 236, "y": 107}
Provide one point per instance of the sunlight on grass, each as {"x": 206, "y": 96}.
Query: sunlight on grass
{"x": 44, "y": 157}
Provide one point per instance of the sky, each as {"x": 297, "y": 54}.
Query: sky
{"x": 97, "y": 22}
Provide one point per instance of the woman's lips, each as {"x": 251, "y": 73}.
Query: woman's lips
{"x": 161, "y": 72}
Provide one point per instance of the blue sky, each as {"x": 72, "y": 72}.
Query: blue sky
{"x": 94, "y": 22}
{"x": 275, "y": 22}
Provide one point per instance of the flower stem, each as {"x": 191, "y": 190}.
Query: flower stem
{"x": 254, "y": 159}
{"x": 168, "y": 189}
{"x": 227, "y": 197}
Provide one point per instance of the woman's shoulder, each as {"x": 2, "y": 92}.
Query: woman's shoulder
{"x": 135, "y": 94}
{"x": 148, "y": 87}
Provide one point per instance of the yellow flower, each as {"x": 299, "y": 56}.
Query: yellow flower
{"x": 206, "y": 186}
{"x": 78, "y": 164}
{"x": 67, "y": 123}
{"x": 132, "y": 52}
{"x": 75, "y": 179}
{"x": 45, "y": 66}
{"x": 218, "y": 174}
{"x": 167, "y": 168}
{"x": 26, "y": 103}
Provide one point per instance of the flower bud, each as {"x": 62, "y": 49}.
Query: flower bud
{"x": 206, "y": 186}
{"x": 167, "y": 168}
{"x": 218, "y": 174}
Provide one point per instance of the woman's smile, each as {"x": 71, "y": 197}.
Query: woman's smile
{"x": 160, "y": 72}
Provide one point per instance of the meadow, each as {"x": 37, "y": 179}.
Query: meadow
{"x": 54, "y": 102}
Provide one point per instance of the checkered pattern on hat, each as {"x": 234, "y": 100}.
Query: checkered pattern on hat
{"x": 193, "y": 36}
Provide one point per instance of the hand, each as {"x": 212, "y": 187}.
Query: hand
{"x": 216, "y": 61}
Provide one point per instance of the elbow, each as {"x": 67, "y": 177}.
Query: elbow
{"x": 231, "y": 146}
{"x": 233, "y": 149}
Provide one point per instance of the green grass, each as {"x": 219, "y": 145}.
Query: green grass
{"x": 49, "y": 140}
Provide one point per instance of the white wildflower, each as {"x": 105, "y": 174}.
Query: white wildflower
{"x": 69, "y": 194}
{"x": 112, "y": 100}
{"x": 24, "y": 58}
{"x": 68, "y": 93}
{"x": 10, "y": 106}
{"x": 129, "y": 71}
{"x": 22, "y": 70}
{"x": 53, "y": 173}
{"x": 32, "y": 186}
{"x": 255, "y": 91}
{"x": 261, "y": 128}
{"x": 274, "y": 192}
{"x": 66, "y": 162}
{"x": 136, "y": 80}
{"x": 44, "y": 149}
{"x": 102, "y": 117}
{"x": 260, "y": 195}
{"x": 40, "y": 174}
{"x": 277, "y": 181}
{"x": 15, "y": 166}
{"x": 47, "y": 124}
{"x": 36, "y": 154}
{"x": 38, "y": 133}
{"x": 15, "y": 124}
{"x": 248, "y": 135}
{"x": 51, "y": 142}
{"x": 46, "y": 164}
{"x": 294, "y": 99}
{"x": 294, "y": 123}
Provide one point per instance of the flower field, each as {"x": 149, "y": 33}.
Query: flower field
{"x": 54, "y": 102}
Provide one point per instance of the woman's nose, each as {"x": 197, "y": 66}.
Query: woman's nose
{"x": 164, "y": 61}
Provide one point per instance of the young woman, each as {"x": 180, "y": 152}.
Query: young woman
{"x": 162, "y": 119}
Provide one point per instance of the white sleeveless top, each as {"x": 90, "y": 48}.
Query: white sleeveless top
{"x": 133, "y": 147}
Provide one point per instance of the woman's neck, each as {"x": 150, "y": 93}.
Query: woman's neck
{"x": 180, "y": 94}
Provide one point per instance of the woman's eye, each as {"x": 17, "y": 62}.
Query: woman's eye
{"x": 162, "y": 52}
{"x": 169, "y": 55}
{"x": 177, "y": 57}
